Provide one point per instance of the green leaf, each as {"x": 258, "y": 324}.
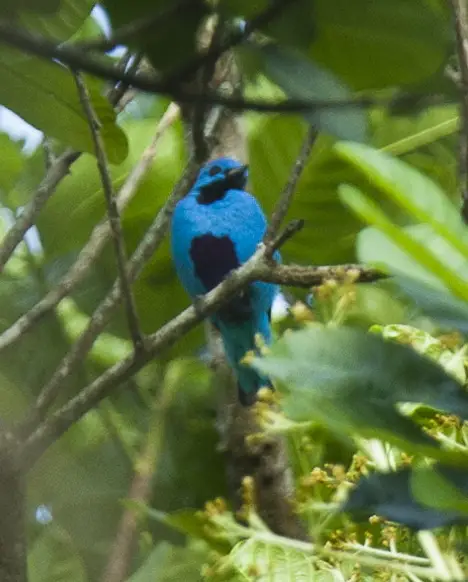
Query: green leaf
{"x": 352, "y": 382}
{"x": 369, "y": 45}
{"x": 402, "y": 134}
{"x": 381, "y": 43}
{"x": 11, "y": 163}
{"x": 448, "y": 311}
{"x": 191, "y": 523}
{"x": 61, "y": 24}
{"x": 274, "y": 143}
{"x": 264, "y": 562}
{"x": 29, "y": 179}
{"x": 301, "y": 78}
{"x": 411, "y": 190}
{"x": 442, "y": 488}
{"x": 44, "y": 94}
{"x": 330, "y": 231}
{"x": 295, "y": 25}
{"x": 390, "y": 495}
{"x": 376, "y": 248}
{"x": 10, "y": 8}
{"x": 168, "y": 563}
{"x": 408, "y": 242}
{"x": 54, "y": 558}
{"x": 177, "y": 29}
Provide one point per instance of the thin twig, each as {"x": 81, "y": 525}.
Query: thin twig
{"x": 199, "y": 111}
{"x": 128, "y": 63}
{"x": 278, "y": 241}
{"x": 307, "y": 277}
{"x": 112, "y": 213}
{"x": 27, "y": 217}
{"x": 461, "y": 29}
{"x": 96, "y": 242}
{"x": 146, "y": 464}
{"x": 63, "y": 418}
{"x": 286, "y": 196}
{"x": 152, "y": 83}
{"x": 103, "y": 313}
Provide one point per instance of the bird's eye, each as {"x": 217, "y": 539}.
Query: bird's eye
{"x": 214, "y": 170}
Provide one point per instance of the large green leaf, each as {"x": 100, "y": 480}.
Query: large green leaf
{"x": 168, "y": 563}
{"x": 63, "y": 23}
{"x": 352, "y": 381}
{"x": 375, "y": 247}
{"x": 443, "y": 488}
{"x": 273, "y": 147}
{"x": 264, "y": 562}
{"x": 381, "y": 43}
{"x": 177, "y": 29}
{"x": 10, "y": 8}
{"x": 53, "y": 558}
{"x": 411, "y": 190}
{"x": 369, "y": 45}
{"x": 293, "y": 26}
{"x": 11, "y": 163}
{"x": 330, "y": 231}
{"x": 391, "y": 496}
{"x": 300, "y": 78}
{"x": 44, "y": 94}
{"x": 420, "y": 244}
{"x": 448, "y": 311}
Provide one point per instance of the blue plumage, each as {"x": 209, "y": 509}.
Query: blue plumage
{"x": 216, "y": 228}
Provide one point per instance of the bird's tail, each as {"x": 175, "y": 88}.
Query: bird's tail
{"x": 239, "y": 339}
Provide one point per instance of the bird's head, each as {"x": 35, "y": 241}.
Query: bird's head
{"x": 219, "y": 176}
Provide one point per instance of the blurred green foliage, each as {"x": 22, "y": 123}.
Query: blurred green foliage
{"x": 389, "y": 200}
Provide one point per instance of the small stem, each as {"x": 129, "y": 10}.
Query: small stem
{"x": 461, "y": 29}
{"x": 112, "y": 212}
{"x": 140, "y": 490}
{"x": 431, "y": 547}
{"x": 29, "y": 213}
{"x": 285, "y": 198}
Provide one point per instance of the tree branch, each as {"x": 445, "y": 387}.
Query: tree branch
{"x": 112, "y": 214}
{"x": 27, "y": 217}
{"x": 95, "y": 245}
{"x": 258, "y": 267}
{"x": 461, "y": 29}
{"x": 101, "y": 316}
{"x": 80, "y": 60}
{"x": 306, "y": 277}
{"x": 13, "y": 551}
{"x": 120, "y": 557}
{"x": 285, "y": 198}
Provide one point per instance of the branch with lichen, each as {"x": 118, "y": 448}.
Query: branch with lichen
{"x": 258, "y": 267}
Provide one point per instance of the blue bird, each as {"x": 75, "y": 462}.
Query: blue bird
{"x": 215, "y": 229}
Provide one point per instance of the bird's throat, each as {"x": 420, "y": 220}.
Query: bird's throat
{"x": 212, "y": 192}
{"x": 217, "y": 189}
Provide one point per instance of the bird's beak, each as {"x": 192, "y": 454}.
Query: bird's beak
{"x": 239, "y": 172}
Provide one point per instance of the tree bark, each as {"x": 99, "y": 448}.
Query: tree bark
{"x": 12, "y": 527}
